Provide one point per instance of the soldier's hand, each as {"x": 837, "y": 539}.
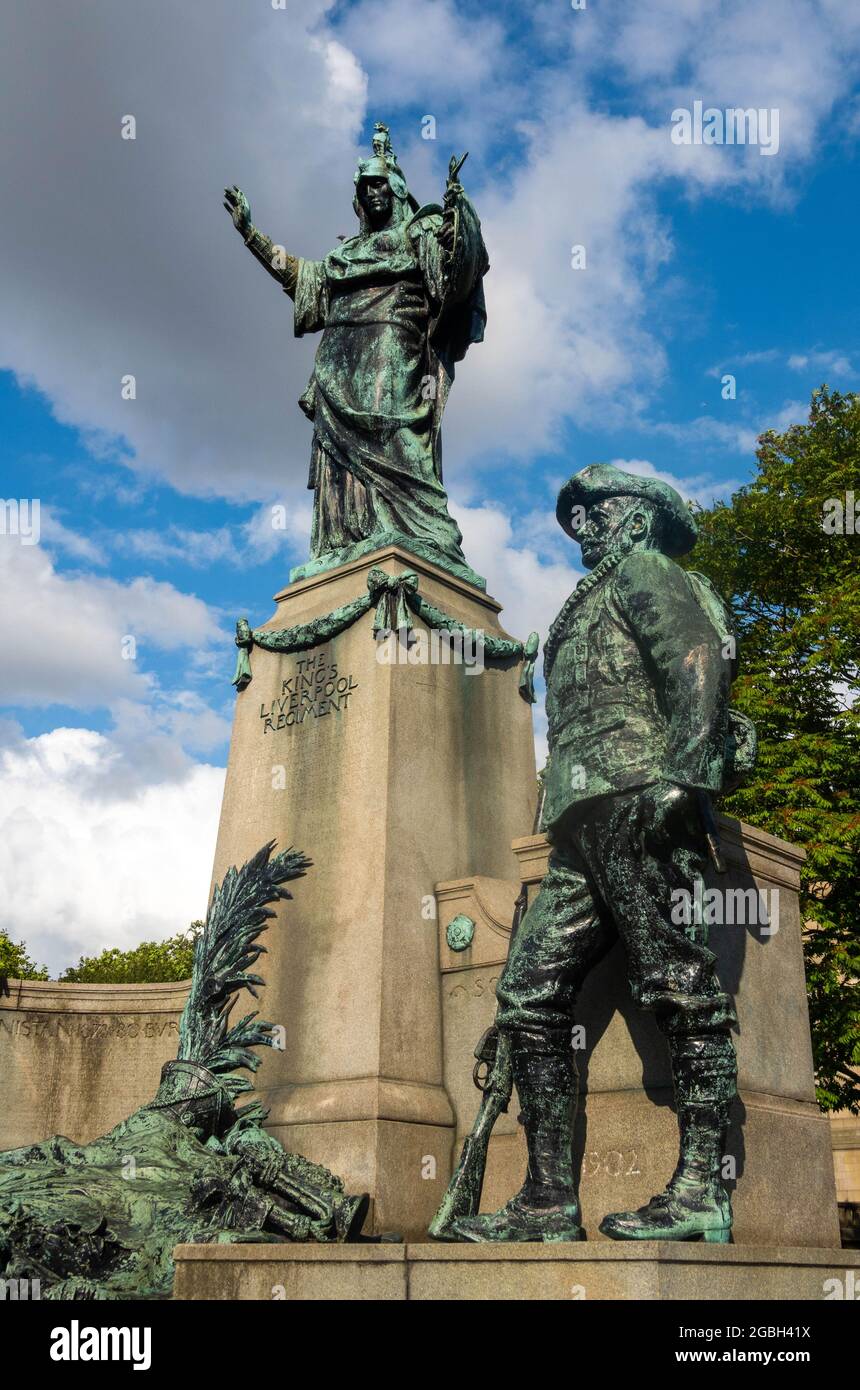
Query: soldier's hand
{"x": 659, "y": 808}
{"x": 239, "y": 208}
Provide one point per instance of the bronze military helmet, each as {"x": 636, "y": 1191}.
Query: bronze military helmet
{"x": 383, "y": 165}
{"x": 602, "y": 480}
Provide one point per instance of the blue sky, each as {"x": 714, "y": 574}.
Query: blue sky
{"x": 118, "y": 258}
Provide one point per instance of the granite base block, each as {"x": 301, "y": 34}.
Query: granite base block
{"x": 570, "y": 1272}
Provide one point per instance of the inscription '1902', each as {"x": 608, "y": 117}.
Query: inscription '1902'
{"x": 315, "y": 690}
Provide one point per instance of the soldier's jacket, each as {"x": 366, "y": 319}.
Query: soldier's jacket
{"x": 638, "y": 690}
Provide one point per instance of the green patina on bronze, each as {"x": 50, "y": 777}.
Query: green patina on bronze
{"x": 398, "y": 305}
{"x": 100, "y": 1220}
{"x": 639, "y": 664}
{"x": 394, "y": 598}
{"x": 460, "y": 932}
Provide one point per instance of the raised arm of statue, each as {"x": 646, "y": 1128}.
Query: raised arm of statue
{"x": 278, "y": 262}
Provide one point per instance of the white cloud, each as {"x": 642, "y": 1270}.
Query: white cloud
{"x": 740, "y": 436}
{"x": 426, "y": 52}
{"x": 562, "y": 342}
{"x": 64, "y": 634}
{"x": 530, "y": 580}
{"x": 346, "y": 84}
{"x": 790, "y": 413}
{"x": 699, "y": 487}
{"x": 797, "y": 56}
{"x": 285, "y": 524}
{"x": 180, "y": 543}
{"x": 822, "y": 360}
{"x": 89, "y": 857}
{"x": 531, "y": 587}
{"x": 57, "y": 536}
{"x": 121, "y": 259}
{"x": 744, "y": 359}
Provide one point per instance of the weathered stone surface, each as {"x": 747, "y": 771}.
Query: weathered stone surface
{"x": 572, "y": 1273}
{"x": 405, "y": 1164}
{"x": 418, "y": 773}
{"x": 357, "y": 1272}
{"x": 845, "y": 1135}
{"x": 78, "y": 1058}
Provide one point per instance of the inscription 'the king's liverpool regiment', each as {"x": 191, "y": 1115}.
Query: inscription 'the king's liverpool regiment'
{"x": 315, "y": 689}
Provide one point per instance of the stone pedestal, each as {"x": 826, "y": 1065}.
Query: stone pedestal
{"x": 562, "y": 1273}
{"x": 394, "y": 778}
{"x": 626, "y": 1138}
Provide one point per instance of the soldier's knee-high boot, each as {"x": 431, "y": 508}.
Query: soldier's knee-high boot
{"x": 546, "y": 1207}
{"x": 695, "y": 1205}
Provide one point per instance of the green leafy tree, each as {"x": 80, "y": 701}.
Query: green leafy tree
{"x": 15, "y": 964}
{"x": 792, "y": 573}
{"x": 152, "y": 962}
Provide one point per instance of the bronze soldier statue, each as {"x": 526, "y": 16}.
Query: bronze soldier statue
{"x": 639, "y": 664}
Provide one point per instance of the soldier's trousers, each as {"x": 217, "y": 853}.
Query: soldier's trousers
{"x": 603, "y": 883}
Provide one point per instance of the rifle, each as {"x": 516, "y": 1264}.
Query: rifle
{"x": 711, "y": 829}
{"x": 496, "y": 1083}
{"x": 463, "y": 1195}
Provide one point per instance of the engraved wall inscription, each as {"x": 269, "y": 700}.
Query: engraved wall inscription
{"x": 315, "y": 689}
{"x": 474, "y": 988}
{"x": 611, "y": 1163}
{"x": 85, "y": 1028}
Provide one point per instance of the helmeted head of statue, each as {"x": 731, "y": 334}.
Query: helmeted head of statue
{"x": 381, "y": 197}
{"x": 607, "y": 510}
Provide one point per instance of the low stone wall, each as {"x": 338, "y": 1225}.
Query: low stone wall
{"x": 845, "y": 1132}
{"x": 565, "y": 1272}
{"x": 76, "y": 1059}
